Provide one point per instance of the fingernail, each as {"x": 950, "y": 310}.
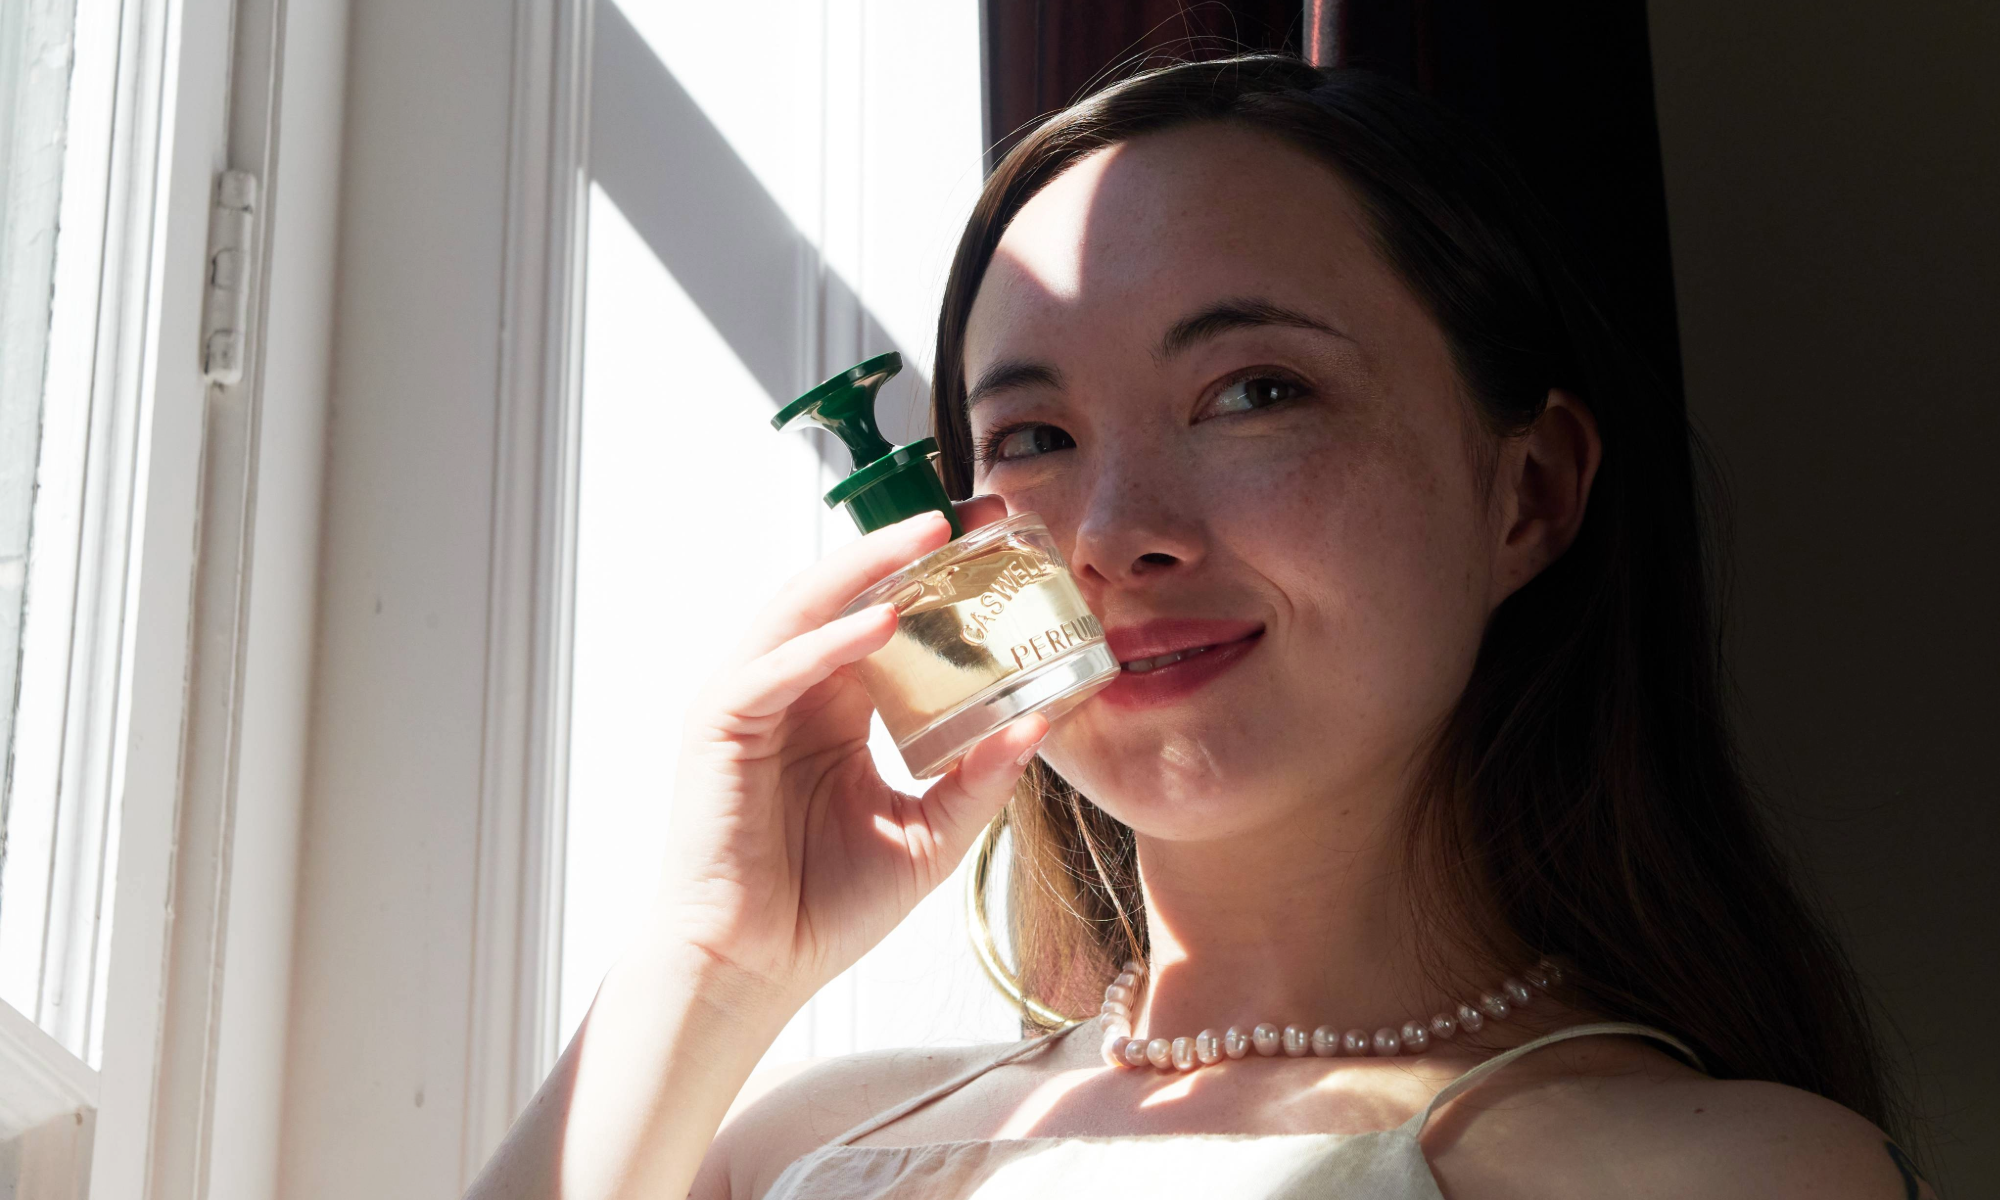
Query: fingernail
{"x": 1028, "y": 755}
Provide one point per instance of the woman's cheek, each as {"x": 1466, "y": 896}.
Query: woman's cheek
{"x": 1045, "y": 492}
{"x": 1376, "y": 574}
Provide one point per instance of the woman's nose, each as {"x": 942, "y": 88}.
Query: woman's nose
{"x": 1134, "y": 529}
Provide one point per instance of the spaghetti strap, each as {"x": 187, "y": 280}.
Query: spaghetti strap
{"x": 1459, "y": 1086}
{"x": 898, "y": 1112}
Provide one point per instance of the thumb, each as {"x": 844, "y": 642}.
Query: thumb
{"x": 959, "y": 805}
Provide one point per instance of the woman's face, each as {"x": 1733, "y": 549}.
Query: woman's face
{"x": 1247, "y": 434}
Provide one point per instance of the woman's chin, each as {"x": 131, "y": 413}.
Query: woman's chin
{"x": 1174, "y": 797}
{"x": 1220, "y": 832}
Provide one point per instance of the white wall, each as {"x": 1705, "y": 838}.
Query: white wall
{"x": 1831, "y": 184}
{"x": 381, "y": 997}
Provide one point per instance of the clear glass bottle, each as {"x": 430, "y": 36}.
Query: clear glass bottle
{"x": 990, "y": 626}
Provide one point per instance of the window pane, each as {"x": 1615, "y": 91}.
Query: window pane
{"x": 746, "y": 240}
{"x": 67, "y": 439}
{"x": 35, "y": 38}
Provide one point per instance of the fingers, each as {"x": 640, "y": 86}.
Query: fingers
{"x": 749, "y": 700}
{"x": 960, "y": 804}
{"x": 980, "y": 510}
{"x": 816, "y": 595}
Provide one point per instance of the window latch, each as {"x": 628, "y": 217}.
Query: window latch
{"x": 225, "y": 314}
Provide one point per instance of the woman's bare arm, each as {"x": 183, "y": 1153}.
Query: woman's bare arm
{"x": 788, "y": 856}
{"x": 631, "y": 1107}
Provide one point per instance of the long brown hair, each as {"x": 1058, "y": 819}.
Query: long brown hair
{"x": 1584, "y": 800}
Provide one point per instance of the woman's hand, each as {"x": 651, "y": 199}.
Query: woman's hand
{"x": 790, "y": 856}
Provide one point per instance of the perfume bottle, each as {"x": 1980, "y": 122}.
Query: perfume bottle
{"x": 989, "y": 627}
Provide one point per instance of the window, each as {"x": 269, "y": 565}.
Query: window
{"x": 66, "y": 472}
{"x": 751, "y": 232}
{"x": 110, "y": 121}
{"x": 65, "y": 479}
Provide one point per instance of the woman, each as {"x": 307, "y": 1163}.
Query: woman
{"x": 1400, "y": 550}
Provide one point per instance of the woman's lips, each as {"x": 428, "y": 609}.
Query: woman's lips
{"x": 1166, "y": 661}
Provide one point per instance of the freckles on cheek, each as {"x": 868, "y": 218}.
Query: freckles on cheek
{"x": 1323, "y": 518}
{"x": 1371, "y": 560}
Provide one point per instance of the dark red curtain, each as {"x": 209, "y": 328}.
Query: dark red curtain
{"x": 1565, "y": 85}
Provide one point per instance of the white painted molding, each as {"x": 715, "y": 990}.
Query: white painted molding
{"x": 43, "y": 1078}
{"x": 52, "y": 1160}
{"x": 173, "y": 118}
{"x": 525, "y": 728}
{"x": 191, "y": 1013}
{"x": 48, "y": 1112}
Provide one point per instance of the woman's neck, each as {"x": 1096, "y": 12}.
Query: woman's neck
{"x": 1311, "y": 927}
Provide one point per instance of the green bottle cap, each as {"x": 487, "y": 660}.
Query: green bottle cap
{"x": 890, "y": 483}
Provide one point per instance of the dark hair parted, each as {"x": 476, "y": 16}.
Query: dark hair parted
{"x": 1584, "y": 799}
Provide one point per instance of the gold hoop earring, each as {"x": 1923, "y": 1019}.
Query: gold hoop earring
{"x": 983, "y": 943}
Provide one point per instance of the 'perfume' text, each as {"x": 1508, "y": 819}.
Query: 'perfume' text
{"x": 1053, "y": 642}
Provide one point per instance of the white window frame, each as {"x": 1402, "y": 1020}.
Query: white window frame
{"x": 130, "y": 646}
{"x": 424, "y": 1004}
{"x": 388, "y": 1043}
{"x": 186, "y": 688}
{"x": 524, "y": 764}
{"x": 115, "y": 667}
{"x": 72, "y": 644}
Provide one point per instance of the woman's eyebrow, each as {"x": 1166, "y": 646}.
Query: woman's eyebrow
{"x": 1011, "y": 373}
{"x": 1239, "y": 313}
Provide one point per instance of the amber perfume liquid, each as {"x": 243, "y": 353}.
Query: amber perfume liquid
{"x": 989, "y": 628}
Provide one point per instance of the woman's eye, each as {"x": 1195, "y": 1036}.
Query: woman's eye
{"x": 1025, "y": 441}
{"x": 1258, "y": 391}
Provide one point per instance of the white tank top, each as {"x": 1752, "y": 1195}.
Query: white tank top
{"x": 1388, "y": 1165}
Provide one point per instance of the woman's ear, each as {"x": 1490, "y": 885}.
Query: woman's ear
{"x": 1541, "y": 488}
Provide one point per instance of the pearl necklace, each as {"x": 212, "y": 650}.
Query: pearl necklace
{"x": 1208, "y": 1047}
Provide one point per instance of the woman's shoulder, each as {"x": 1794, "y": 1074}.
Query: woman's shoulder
{"x": 1742, "y": 1137}
{"x": 1612, "y": 1117}
{"x": 1673, "y": 1133}
{"x": 786, "y": 1112}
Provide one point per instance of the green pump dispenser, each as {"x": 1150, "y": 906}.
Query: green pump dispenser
{"x": 889, "y": 484}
